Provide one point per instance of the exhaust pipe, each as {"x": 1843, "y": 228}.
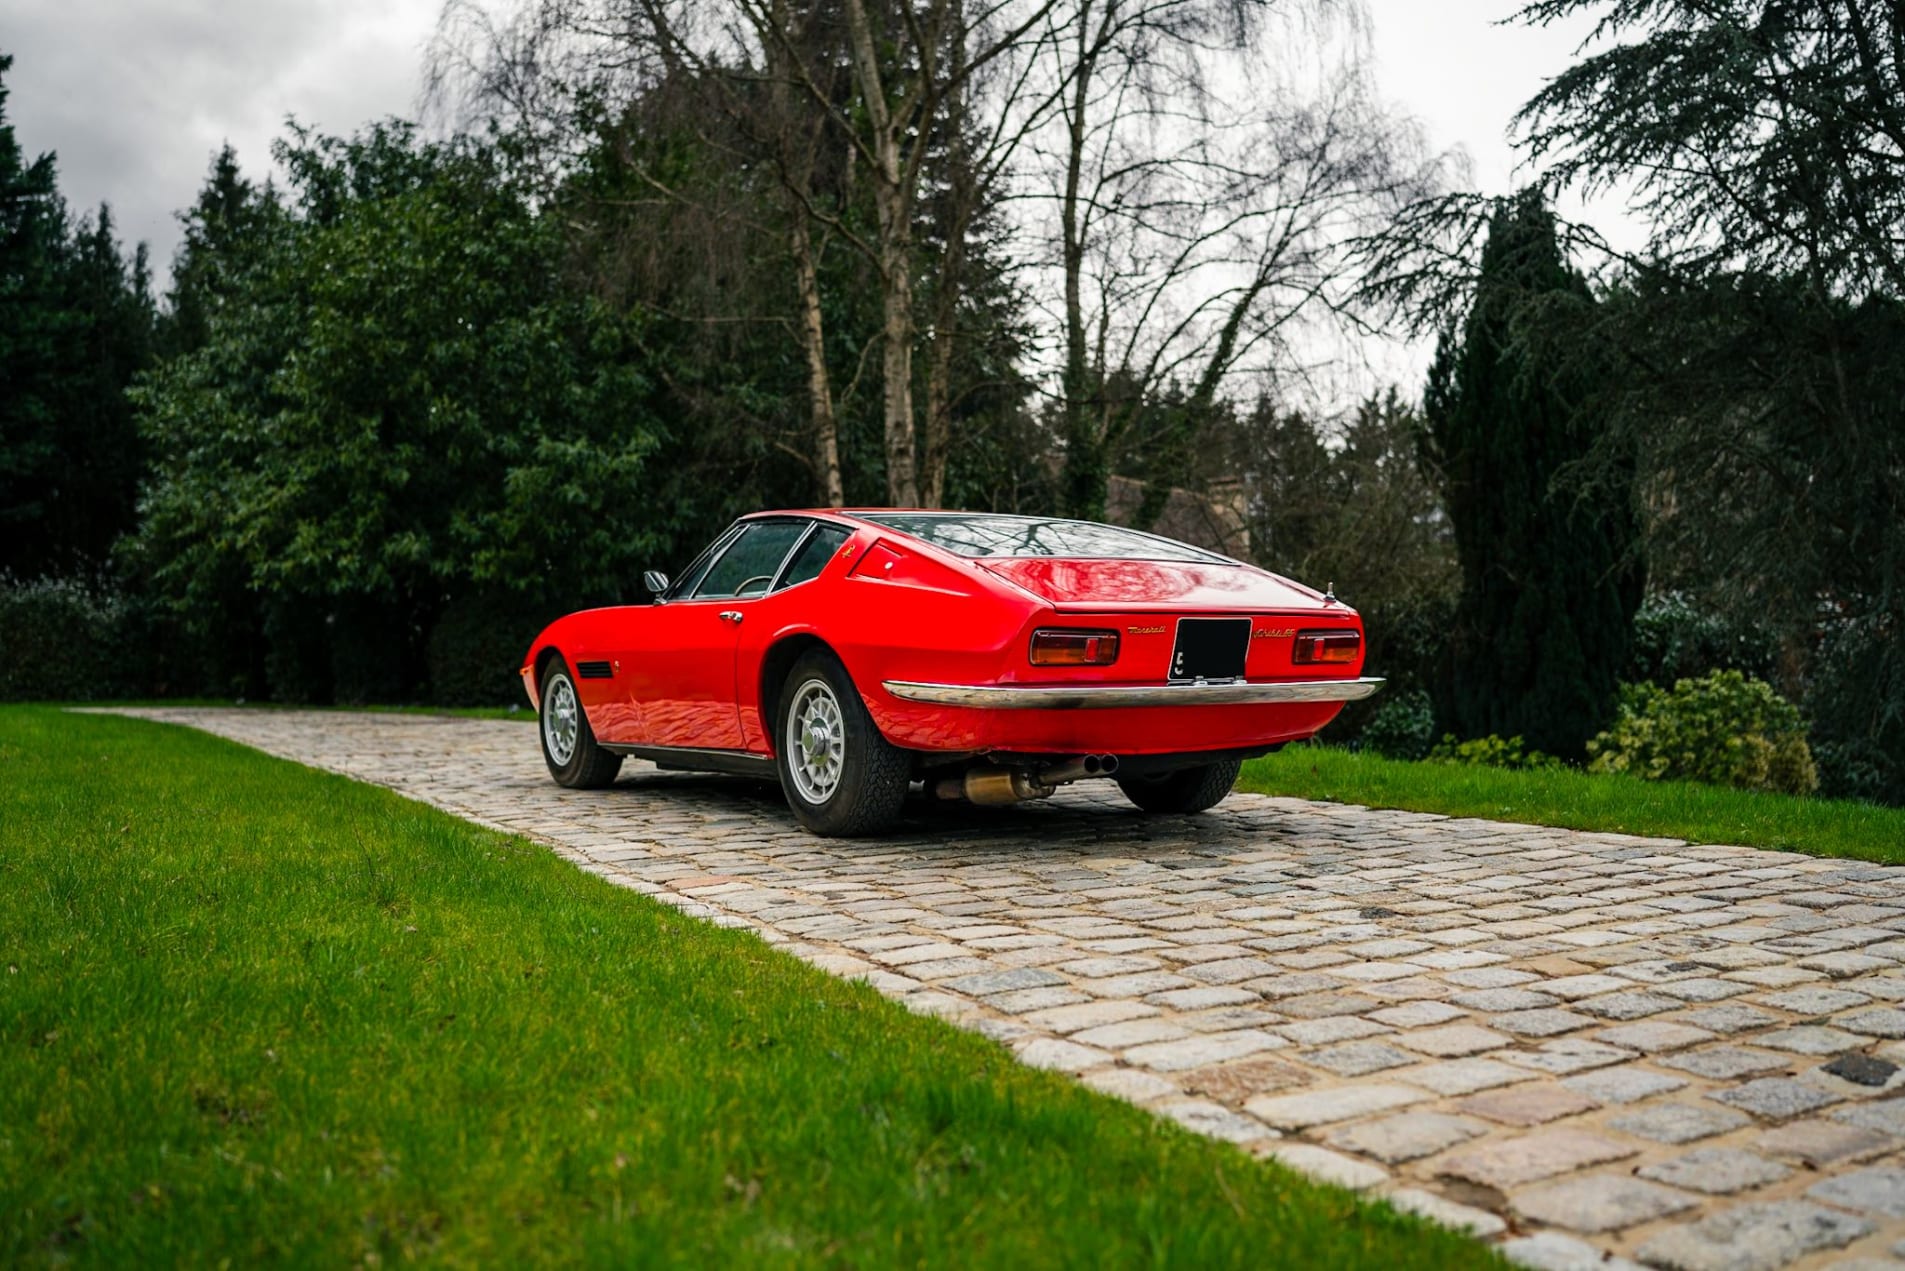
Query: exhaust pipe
{"x": 1000, "y": 787}
{"x": 993, "y": 787}
{"x": 1078, "y": 769}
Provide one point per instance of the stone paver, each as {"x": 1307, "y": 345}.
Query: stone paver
{"x": 1818, "y": 1143}
{"x": 1526, "y": 1104}
{"x": 1777, "y": 1098}
{"x": 1507, "y": 1163}
{"x": 1879, "y": 1192}
{"x": 1683, "y": 1055}
{"x": 1753, "y": 1238}
{"x": 1678, "y": 1122}
{"x": 1406, "y": 1136}
{"x": 1599, "y": 1202}
{"x": 1718, "y": 1171}
{"x": 1325, "y": 1107}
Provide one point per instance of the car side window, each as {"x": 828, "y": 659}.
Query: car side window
{"x": 748, "y": 567}
{"x": 814, "y": 555}
{"x": 698, "y": 569}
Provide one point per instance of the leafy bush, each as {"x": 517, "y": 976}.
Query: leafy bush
{"x": 64, "y": 640}
{"x": 1856, "y": 770}
{"x": 1402, "y": 727}
{"x": 477, "y": 647}
{"x": 1675, "y": 640}
{"x": 1855, "y": 696}
{"x": 1491, "y": 752}
{"x": 1723, "y": 729}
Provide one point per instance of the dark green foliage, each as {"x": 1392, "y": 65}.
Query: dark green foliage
{"x": 1674, "y": 639}
{"x": 75, "y": 325}
{"x": 1771, "y": 424}
{"x": 477, "y": 646}
{"x": 1403, "y": 727}
{"x": 64, "y": 640}
{"x": 1857, "y": 704}
{"x": 227, "y": 229}
{"x": 396, "y": 403}
{"x": 1491, "y": 752}
{"x": 1346, "y": 502}
{"x": 1722, "y": 729}
{"x": 1792, "y": 108}
{"x": 1763, "y": 374}
{"x": 1550, "y": 576}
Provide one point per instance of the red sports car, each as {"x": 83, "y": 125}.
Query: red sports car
{"x": 992, "y": 658}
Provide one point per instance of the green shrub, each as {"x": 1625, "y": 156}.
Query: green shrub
{"x": 1402, "y": 727}
{"x": 1856, "y": 770}
{"x": 1724, "y": 729}
{"x": 1676, "y": 640}
{"x": 1855, "y": 698}
{"x": 65, "y": 640}
{"x": 1491, "y": 752}
{"x": 477, "y": 647}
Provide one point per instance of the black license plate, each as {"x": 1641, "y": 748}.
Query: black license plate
{"x": 1210, "y": 649}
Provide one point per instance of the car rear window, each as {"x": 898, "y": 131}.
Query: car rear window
{"x": 992, "y": 535}
{"x": 813, "y": 555}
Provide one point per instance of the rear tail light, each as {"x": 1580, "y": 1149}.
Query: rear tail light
{"x": 1074, "y": 648}
{"x": 1326, "y": 646}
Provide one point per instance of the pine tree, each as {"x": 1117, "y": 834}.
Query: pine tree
{"x": 75, "y": 326}
{"x": 1550, "y": 576}
{"x": 105, "y": 298}
{"x": 32, "y": 233}
{"x": 226, "y": 232}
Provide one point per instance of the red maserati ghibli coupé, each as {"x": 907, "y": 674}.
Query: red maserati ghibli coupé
{"x": 990, "y": 658}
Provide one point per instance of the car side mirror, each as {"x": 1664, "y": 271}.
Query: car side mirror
{"x": 655, "y": 581}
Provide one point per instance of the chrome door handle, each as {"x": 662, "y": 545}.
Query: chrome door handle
{"x": 729, "y": 615}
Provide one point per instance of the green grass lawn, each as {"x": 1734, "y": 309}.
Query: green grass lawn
{"x": 520, "y": 710}
{"x": 1578, "y": 800}
{"x": 253, "y": 1012}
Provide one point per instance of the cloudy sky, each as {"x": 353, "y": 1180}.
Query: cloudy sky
{"x": 134, "y": 96}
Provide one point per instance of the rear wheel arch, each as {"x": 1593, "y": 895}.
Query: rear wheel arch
{"x": 776, "y": 665}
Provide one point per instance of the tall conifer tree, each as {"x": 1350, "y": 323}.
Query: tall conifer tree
{"x": 75, "y": 326}
{"x": 1550, "y": 577}
{"x": 32, "y": 233}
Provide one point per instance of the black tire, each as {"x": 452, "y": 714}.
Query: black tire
{"x": 588, "y": 766}
{"x": 1186, "y": 790}
{"x": 869, "y": 774}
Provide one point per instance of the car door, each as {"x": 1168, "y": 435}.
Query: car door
{"x": 787, "y": 604}
{"x": 682, "y": 678}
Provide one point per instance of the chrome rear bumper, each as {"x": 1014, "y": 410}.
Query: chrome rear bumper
{"x": 1101, "y": 697}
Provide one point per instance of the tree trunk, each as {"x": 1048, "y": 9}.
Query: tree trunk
{"x": 813, "y": 346}
{"x": 893, "y": 177}
{"x": 896, "y": 361}
{"x": 1085, "y": 474}
{"x": 939, "y": 404}
{"x": 962, "y": 186}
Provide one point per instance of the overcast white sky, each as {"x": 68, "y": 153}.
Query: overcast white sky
{"x": 134, "y": 96}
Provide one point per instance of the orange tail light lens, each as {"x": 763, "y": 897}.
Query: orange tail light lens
{"x": 1074, "y": 648}
{"x": 1326, "y": 646}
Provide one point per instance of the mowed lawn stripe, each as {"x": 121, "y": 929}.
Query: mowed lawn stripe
{"x": 1576, "y": 800}
{"x": 250, "y": 1011}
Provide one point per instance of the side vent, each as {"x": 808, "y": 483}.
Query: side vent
{"x": 594, "y": 670}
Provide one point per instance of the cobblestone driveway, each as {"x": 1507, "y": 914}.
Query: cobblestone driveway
{"x": 1566, "y": 1042}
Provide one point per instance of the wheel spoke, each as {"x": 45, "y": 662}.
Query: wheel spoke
{"x": 560, "y": 723}
{"x": 815, "y": 742}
